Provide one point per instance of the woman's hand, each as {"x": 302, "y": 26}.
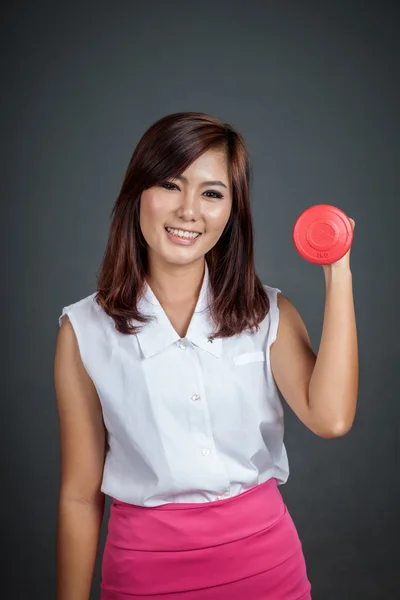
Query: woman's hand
{"x": 344, "y": 262}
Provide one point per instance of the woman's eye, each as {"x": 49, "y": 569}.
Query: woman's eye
{"x": 169, "y": 186}
{"x": 214, "y": 194}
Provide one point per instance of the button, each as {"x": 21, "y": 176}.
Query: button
{"x": 206, "y": 451}
{"x": 195, "y": 398}
{"x": 182, "y": 344}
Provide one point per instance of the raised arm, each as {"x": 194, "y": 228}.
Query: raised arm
{"x": 82, "y": 439}
{"x": 322, "y": 390}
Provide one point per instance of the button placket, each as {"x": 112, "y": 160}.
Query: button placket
{"x": 202, "y": 425}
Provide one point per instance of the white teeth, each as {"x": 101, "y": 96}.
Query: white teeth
{"x": 183, "y": 234}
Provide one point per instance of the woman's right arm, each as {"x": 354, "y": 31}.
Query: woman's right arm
{"x": 82, "y": 441}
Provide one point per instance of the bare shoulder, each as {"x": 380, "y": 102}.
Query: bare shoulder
{"x": 67, "y": 343}
{"x": 292, "y": 332}
{"x": 68, "y": 365}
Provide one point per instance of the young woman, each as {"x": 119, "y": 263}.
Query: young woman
{"x": 167, "y": 383}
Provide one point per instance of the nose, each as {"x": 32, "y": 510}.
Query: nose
{"x": 190, "y": 206}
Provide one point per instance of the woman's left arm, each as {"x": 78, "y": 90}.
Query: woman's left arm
{"x": 321, "y": 389}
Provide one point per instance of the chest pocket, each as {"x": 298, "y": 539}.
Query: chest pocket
{"x": 249, "y": 357}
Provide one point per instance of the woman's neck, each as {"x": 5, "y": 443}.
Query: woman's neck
{"x": 176, "y": 284}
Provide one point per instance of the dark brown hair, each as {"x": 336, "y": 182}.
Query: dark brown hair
{"x": 166, "y": 150}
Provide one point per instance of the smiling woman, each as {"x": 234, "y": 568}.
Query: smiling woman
{"x": 167, "y": 384}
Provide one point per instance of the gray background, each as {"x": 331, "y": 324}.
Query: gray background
{"x": 314, "y": 88}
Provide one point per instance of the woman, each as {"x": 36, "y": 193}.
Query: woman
{"x": 167, "y": 385}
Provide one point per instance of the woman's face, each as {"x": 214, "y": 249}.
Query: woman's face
{"x": 183, "y": 218}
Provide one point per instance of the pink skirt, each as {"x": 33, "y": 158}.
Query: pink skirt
{"x": 244, "y": 547}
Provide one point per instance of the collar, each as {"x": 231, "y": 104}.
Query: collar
{"x": 158, "y": 334}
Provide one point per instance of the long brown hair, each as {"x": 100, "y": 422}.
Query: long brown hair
{"x": 166, "y": 150}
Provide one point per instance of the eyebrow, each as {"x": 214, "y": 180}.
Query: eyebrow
{"x": 216, "y": 182}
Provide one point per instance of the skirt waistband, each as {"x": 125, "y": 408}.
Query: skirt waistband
{"x": 195, "y": 525}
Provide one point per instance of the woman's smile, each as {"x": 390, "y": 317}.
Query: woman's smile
{"x": 182, "y": 236}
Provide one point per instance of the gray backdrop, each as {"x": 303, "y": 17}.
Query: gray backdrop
{"x": 314, "y": 88}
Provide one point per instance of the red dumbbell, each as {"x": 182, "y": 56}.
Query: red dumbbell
{"x": 322, "y": 234}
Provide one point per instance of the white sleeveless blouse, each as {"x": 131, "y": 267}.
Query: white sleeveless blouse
{"x": 188, "y": 420}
